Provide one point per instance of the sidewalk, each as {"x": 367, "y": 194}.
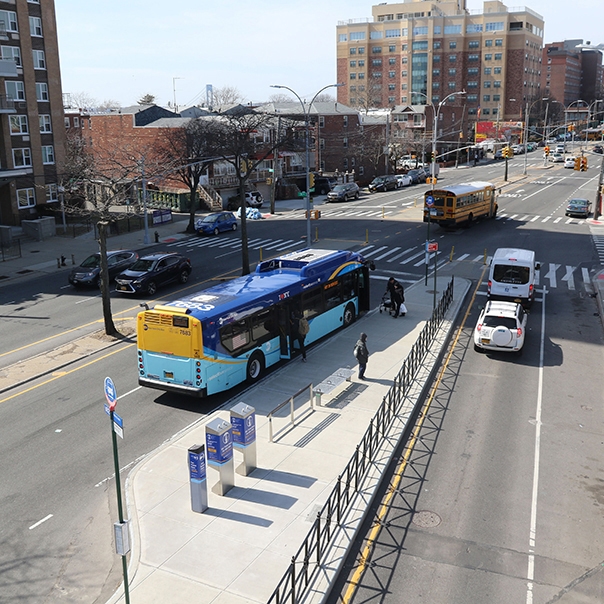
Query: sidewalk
{"x": 238, "y": 550}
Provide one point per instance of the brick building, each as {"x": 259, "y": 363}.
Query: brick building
{"x": 31, "y": 111}
{"x": 423, "y": 50}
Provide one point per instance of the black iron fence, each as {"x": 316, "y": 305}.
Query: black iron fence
{"x": 292, "y": 586}
{"x": 11, "y": 251}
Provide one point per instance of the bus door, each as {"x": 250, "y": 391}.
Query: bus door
{"x": 364, "y": 302}
{"x": 283, "y": 313}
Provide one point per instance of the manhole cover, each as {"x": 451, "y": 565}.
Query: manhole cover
{"x": 426, "y": 519}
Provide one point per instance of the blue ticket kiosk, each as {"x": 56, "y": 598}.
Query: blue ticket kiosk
{"x": 243, "y": 422}
{"x": 219, "y": 445}
{"x": 197, "y": 478}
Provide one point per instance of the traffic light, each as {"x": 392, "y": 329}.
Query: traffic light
{"x": 571, "y": 127}
{"x": 546, "y": 150}
{"x": 583, "y": 164}
{"x": 507, "y": 152}
{"x": 577, "y": 165}
{"x": 433, "y": 156}
{"x": 311, "y": 181}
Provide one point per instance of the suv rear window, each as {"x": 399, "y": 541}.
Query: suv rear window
{"x": 491, "y": 321}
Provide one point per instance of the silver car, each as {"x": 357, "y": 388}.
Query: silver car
{"x": 344, "y": 192}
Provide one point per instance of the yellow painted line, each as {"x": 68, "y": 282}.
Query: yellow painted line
{"x": 61, "y": 374}
{"x": 398, "y": 475}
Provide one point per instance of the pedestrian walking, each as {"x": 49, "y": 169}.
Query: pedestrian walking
{"x": 361, "y": 354}
{"x": 397, "y": 295}
{"x": 299, "y": 327}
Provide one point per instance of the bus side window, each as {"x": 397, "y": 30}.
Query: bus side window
{"x": 349, "y": 289}
{"x": 264, "y": 326}
{"x": 235, "y": 337}
{"x": 449, "y": 202}
{"x": 312, "y": 303}
{"x": 333, "y": 294}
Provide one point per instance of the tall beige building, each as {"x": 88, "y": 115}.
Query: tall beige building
{"x": 416, "y": 51}
{"x": 32, "y": 128}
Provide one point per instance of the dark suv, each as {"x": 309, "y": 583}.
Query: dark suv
{"x": 150, "y": 272}
{"x": 383, "y": 183}
{"x": 89, "y": 272}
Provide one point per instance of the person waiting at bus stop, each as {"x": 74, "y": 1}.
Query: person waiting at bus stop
{"x": 298, "y": 330}
{"x": 397, "y": 295}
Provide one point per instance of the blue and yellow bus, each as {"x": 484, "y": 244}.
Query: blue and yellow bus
{"x": 216, "y": 338}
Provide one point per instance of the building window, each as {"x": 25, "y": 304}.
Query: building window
{"x": 452, "y": 58}
{"x": 35, "y": 27}
{"x": 486, "y": 98}
{"x": 403, "y": 86}
{"x": 67, "y": 124}
{"x": 453, "y": 44}
{"x": 404, "y": 46}
{"x": 321, "y": 121}
{"x": 487, "y": 71}
{"x": 473, "y": 71}
{"x": 353, "y": 76}
{"x": 422, "y": 45}
{"x": 403, "y": 99}
{"x": 9, "y": 19}
{"x": 391, "y": 48}
{"x": 498, "y": 56}
{"x": 376, "y": 74}
{"x": 436, "y": 72}
{"x": 495, "y": 110}
{"x": 391, "y": 61}
{"x": 353, "y": 51}
{"x": 452, "y": 71}
{"x": 391, "y": 87}
{"x": 488, "y": 43}
{"x": 391, "y": 99}
{"x": 436, "y": 59}
{"x": 376, "y": 35}
{"x": 18, "y": 124}
{"x": 376, "y": 62}
{"x": 357, "y": 35}
{"x": 342, "y": 38}
{"x": 436, "y": 99}
{"x": 39, "y": 59}
{"x": 345, "y": 163}
{"x": 353, "y": 64}
{"x": 472, "y": 111}
{"x": 487, "y": 84}
{"x": 473, "y": 44}
{"x": 437, "y": 30}
{"x": 51, "y": 193}
{"x": 26, "y": 198}
{"x": 15, "y": 91}
{"x": 499, "y": 42}
{"x": 42, "y": 91}
{"x": 488, "y": 57}
{"x": 472, "y": 98}
{"x": 361, "y": 76}
{"x": 21, "y": 157}
{"x": 436, "y": 45}
{"x": 46, "y": 124}
{"x": 497, "y": 70}
{"x": 11, "y": 53}
{"x": 376, "y": 50}
{"x": 497, "y": 84}
{"x": 361, "y": 62}
{"x": 486, "y": 111}
{"x": 404, "y": 73}
{"x": 435, "y": 85}
{"x": 391, "y": 74}
{"x": 473, "y": 28}
{"x": 321, "y": 143}
{"x": 496, "y": 97}
{"x": 452, "y": 86}
{"x": 473, "y": 58}
{"x": 494, "y": 26}
{"x": 420, "y": 31}
{"x": 393, "y": 33}
{"x": 472, "y": 84}
{"x": 361, "y": 50}
{"x": 452, "y": 29}
{"x": 404, "y": 60}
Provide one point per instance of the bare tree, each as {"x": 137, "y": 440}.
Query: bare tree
{"x": 147, "y": 99}
{"x": 279, "y": 98}
{"x": 109, "y": 105}
{"x": 186, "y": 153}
{"x": 227, "y": 95}
{"x": 81, "y": 100}
{"x": 367, "y": 97}
{"x": 245, "y": 139}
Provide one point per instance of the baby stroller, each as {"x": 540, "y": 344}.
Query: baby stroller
{"x": 386, "y": 303}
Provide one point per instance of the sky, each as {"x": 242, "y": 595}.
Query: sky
{"x": 120, "y": 50}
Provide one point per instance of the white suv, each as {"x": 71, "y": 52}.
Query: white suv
{"x": 500, "y": 326}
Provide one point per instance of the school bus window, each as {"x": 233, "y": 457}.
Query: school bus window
{"x": 449, "y": 202}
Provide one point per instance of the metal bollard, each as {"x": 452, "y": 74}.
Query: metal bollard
{"x": 72, "y": 260}
{"x": 58, "y": 263}
{"x": 452, "y": 252}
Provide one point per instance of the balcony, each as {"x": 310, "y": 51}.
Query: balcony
{"x": 7, "y": 105}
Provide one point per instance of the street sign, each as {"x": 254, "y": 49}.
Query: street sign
{"x": 429, "y": 201}
{"x": 431, "y": 246}
{"x": 118, "y": 425}
{"x": 110, "y": 393}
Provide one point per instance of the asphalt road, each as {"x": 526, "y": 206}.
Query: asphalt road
{"x": 499, "y": 498}
{"x": 57, "y": 496}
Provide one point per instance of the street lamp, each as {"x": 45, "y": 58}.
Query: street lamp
{"x": 526, "y": 124}
{"x": 572, "y": 144}
{"x": 589, "y": 112}
{"x": 306, "y": 113}
{"x": 435, "y": 114}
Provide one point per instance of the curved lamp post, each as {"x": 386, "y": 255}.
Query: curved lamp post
{"x": 306, "y": 113}
{"x": 526, "y": 126}
{"x": 572, "y": 144}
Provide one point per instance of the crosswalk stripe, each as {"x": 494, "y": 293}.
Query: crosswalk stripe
{"x": 392, "y": 251}
{"x": 546, "y": 219}
{"x": 379, "y": 249}
{"x": 557, "y": 220}
{"x": 585, "y": 274}
{"x": 551, "y": 274}
{"x": 276, "y": 243}
{"x": 430, "y": 258}
{"x": 512, "y": 217}
{"x": 525, "y": 218}
{"x": 407, "y": 260}
{"x": 260, "y": 244}
{"x": 400, "y": 255}
{"x": 293, "y": 244}
{"x": 478, "y": 258}
{"x": 569, "y": 221}
{"x": 462, "y": 257}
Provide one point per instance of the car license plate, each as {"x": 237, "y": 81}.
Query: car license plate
{"x": 123, "y": 288}
{"x": 485, "y": 340}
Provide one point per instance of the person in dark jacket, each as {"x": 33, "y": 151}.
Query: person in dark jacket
{"x": 361, "y": 354}
{"x": 397, "y": 295}
{"x": 296, "y": 334}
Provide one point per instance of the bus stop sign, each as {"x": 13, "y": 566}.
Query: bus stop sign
{"x": 429, "y": 201}
{"x": 110, "y": 393}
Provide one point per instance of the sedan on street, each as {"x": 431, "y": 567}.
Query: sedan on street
{"x": 418, "y": 175}
{"x": 216, "y": 223}
{"x": 150, "y": 272}
{"x": 578, "y": 207}
{"x": 344, "y": 192}
{"x": 556, "y": 158}
{"x": 569, "y": 162}
{"x": 89, "y": 272}
{"x": 383, "y": 183}
{"x": 403, "y": 180}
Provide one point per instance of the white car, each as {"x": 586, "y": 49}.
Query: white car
{"x": 500, "y": 326}
{"x": 569, "y": 162}
{"x": 556, "y": 158}
{"x": 403, "y": 180}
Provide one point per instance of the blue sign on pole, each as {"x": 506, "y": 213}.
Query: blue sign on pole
{"x": 429, "y": 201}
{"x": 110, "y": 393}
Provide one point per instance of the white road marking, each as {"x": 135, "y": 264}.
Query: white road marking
{"x": 551, "y": 275}
{"x": 558, "y": 220}
{"x": 392, "y": 251}
{"x": 463, "y": 257}
{"x": 546, "y": 219}
{"x": 585, "y": 274}
{"x": 413, "y": 257}
{"x": 33, "y": 526}
{"x": 379, "y": 249}
{"x": 401, "y": 254}
{"x": 569, "y": 277}
{"x": 535, "y": 218}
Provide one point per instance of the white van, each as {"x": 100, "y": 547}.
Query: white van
{"x": 512, "y": 275}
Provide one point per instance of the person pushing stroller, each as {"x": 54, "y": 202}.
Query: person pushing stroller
{"x": 397, "y": 296}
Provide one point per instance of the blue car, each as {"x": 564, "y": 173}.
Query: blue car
{"x": 213, "y": 224}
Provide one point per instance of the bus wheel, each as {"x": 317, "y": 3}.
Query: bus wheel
{"x": 349, "y": 315}
{"x": 255, "y": 367}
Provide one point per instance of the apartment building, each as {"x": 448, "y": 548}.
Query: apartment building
{"x": 420, "y": 51}
{"x": 32, "y": 130}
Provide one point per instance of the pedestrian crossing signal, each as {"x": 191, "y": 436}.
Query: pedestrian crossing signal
{"x": 577, "y": 165}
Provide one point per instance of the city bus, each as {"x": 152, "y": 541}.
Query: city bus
{"x": 213, "y": 339}
{"x": 460, "y": 204}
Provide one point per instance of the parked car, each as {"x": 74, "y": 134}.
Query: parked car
{"x": 598, "y": 149}
{"x": 323, "y": 185}
{"x": 500, "y": 326}
{"x": 383, "y": 183}
{"x": 418, "y": 175}
{"x": 216, "y": 223}
{"x": 253, "y": 199}
{"x": 578, "y": 207}
{"x": 89, "y": 272}
{"x": 403, "y": 180}
{"x": 344, "y": 192}
{"x": 150, "y": 272}
{"x": 498, "y": 154}
{"x": 569, "y": 162}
